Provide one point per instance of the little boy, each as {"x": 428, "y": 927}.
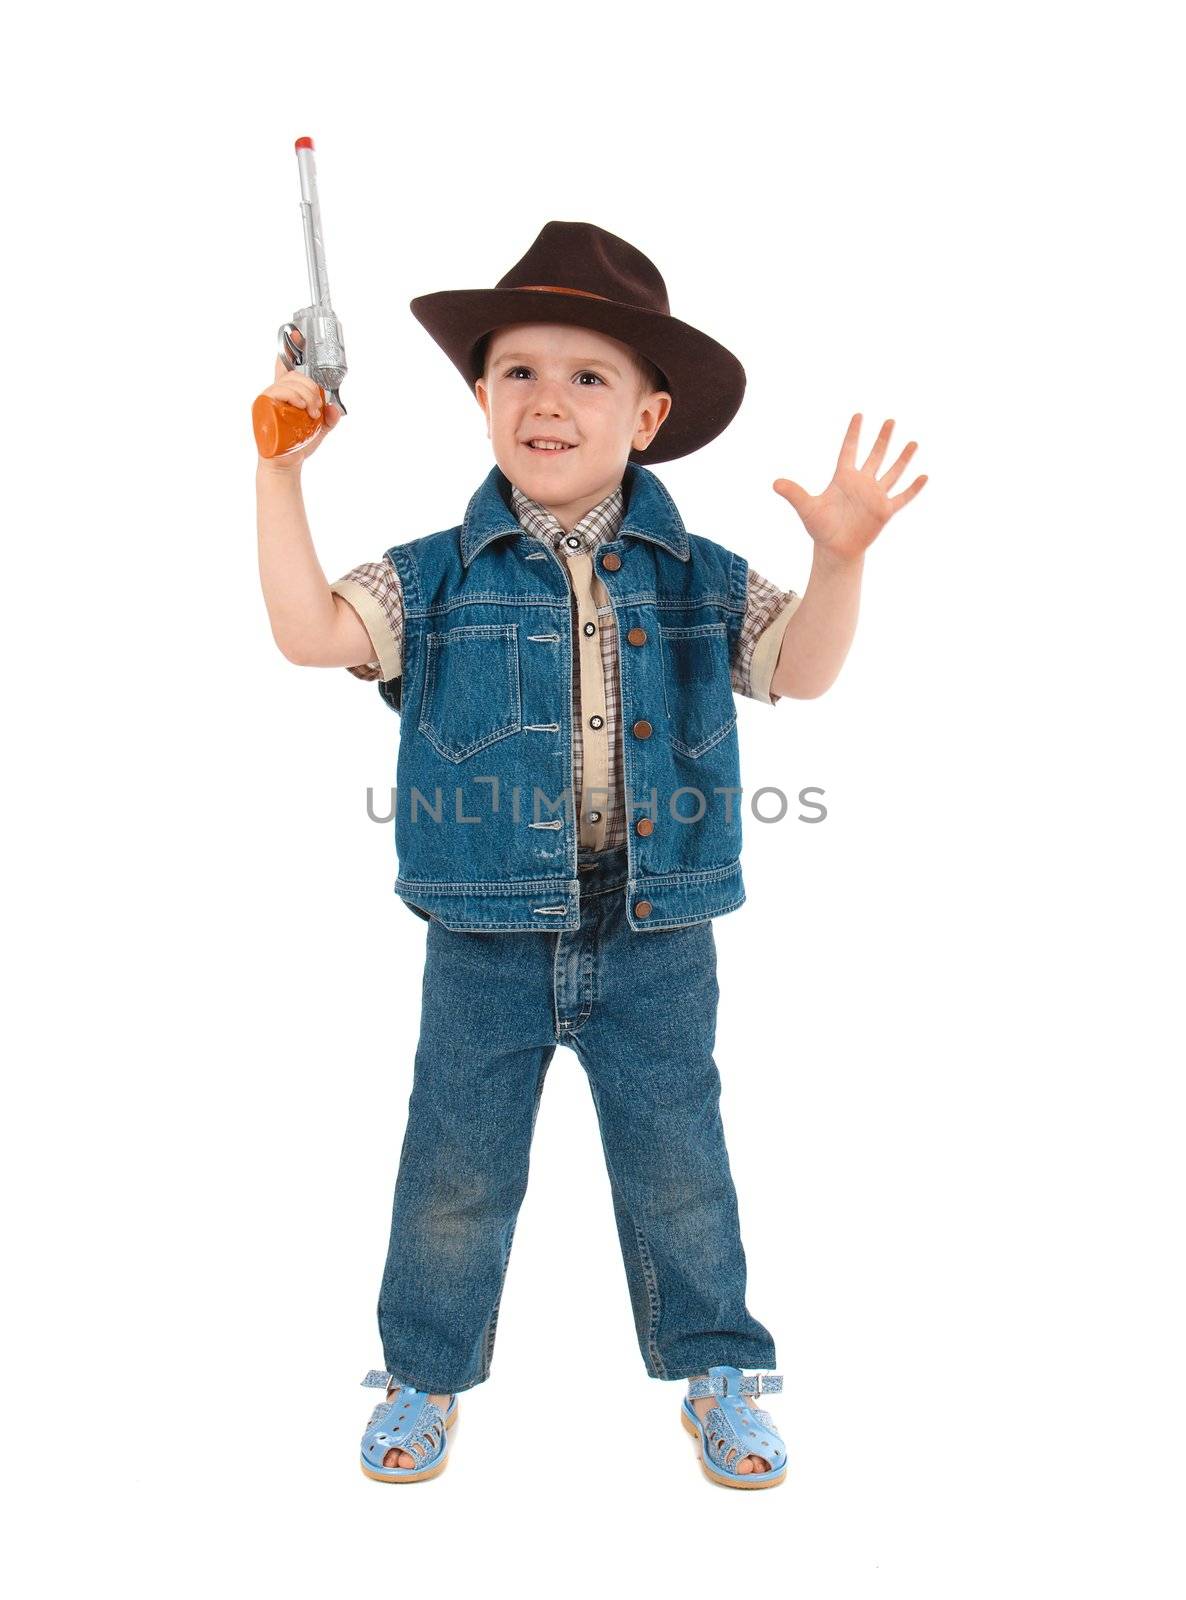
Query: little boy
{"x": 568, "y": 816}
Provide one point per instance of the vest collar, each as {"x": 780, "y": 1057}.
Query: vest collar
{"x": 650, "y": 513}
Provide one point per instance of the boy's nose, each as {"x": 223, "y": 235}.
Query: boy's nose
{"x": 549, "y": 391}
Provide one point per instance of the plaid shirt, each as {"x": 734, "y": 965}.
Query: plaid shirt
{"x": 373, "y": 589}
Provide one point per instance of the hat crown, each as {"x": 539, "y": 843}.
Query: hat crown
{"x": 580, "y": 258}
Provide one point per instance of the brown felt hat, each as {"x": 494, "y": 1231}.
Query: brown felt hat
{"x": 578, "y": 273}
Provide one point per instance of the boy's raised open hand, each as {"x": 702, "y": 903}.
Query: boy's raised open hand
{"x": 297, "y": 390}
{"x": 856, "y": 505}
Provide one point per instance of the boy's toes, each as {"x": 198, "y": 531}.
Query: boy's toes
{"x": 398, "y": 1458}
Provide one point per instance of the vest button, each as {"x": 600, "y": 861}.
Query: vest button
{"x": 645, "y": 826}
{"x": 590, "y": 627}
{"x": 611, "y": 561}
{"x": 642, "y": 730}
{"x": 596, "y": 722}
{"x": 642, "y": 908}
{"x": 637, "y": 636}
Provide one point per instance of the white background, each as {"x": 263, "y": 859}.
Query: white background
{"x": 948, "y": 1032}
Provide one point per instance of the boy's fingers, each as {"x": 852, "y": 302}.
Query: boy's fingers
{"x": 285, "y": 392}
{"x": 298, "y": 392}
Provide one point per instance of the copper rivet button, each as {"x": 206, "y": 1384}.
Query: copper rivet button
{"x": 637, "y": 636}
{"x": 644, "y": 825}
{"x": 643, "y": 730}
{"x": 590, "y": 627}
{"x": 611, "y": 562}
{"x": 642, "y": 908}
{"x": 596, "y": 722}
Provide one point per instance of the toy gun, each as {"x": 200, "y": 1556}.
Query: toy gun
{"x": 311, "y": 341}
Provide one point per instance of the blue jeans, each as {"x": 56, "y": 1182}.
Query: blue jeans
{"x": 639, "y": 1010}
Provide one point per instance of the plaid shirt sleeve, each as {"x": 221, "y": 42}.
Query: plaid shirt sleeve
{"x": 768, "y": 609}
{"x": 373, "y": 589}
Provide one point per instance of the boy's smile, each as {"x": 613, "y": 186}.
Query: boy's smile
{"x": 563, "y": 411}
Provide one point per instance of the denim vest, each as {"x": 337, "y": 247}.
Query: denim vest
{"x": 486, "y": 829}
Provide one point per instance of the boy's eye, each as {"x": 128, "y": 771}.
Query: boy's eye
{"x": 586, "y": 374}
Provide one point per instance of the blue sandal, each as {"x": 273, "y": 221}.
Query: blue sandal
{"x": 734, "y": 1428}
{"x": 407, "y": 1420}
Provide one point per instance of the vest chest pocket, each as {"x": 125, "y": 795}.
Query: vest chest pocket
{"x": 696, "y": 682}
{"x": 471, "y": 688}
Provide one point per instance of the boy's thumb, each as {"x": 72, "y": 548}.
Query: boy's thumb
{"x": 791, "y": 491}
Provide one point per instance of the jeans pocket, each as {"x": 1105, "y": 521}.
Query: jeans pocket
{"x": 471, "y": 688}
{"x": 697, "y": 685}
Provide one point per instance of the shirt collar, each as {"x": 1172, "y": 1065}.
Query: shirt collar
{"x": 651, "y": 513}
{"x": 602, "y": 521}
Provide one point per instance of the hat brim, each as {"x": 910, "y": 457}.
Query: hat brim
{"x": 706, "y": 382}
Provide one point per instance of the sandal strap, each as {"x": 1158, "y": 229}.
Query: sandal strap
{"x": 731, "y": 1380}
{"x": 377, "y": 1380}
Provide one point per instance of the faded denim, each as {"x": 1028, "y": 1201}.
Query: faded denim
{"x": 485, "y": 824}
{"x": 641, "y": 1016}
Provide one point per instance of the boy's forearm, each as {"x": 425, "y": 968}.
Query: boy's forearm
{"x": 301, "y": 606}
{"x": 819, "y": 634}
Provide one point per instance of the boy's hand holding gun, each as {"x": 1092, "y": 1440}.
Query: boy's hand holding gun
{"x": 292, "y": 388}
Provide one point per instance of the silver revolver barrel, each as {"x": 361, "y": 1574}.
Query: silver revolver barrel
{"x": 321, "y": 352}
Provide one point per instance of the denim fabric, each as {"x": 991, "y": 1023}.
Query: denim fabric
{"x": 485, "y": 825}
{"x": 641, "y": 1016}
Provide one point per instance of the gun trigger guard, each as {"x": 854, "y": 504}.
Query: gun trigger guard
{"x": 292, "y": 355}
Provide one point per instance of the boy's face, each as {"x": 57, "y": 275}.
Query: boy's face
{"x": 554, "y": 381}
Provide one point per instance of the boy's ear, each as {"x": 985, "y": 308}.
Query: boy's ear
{"x": 653, "y": 417}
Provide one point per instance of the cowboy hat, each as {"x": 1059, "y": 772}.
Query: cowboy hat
{"x": 580, "y": 274}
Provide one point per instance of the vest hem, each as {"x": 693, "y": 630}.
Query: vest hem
{"x": 696, "y": 896}
{"x": 541, "y": 905}
{"x": 553, "y": 905}
{"x": 659, "y": 924}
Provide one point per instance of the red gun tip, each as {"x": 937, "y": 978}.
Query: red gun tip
{"x": 304, "y": 144}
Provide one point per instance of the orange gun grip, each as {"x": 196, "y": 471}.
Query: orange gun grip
{"x": 281, "y": 427}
